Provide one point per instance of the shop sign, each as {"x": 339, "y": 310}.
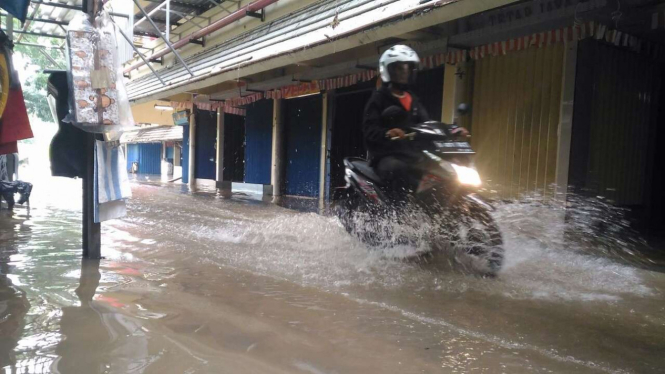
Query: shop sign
{"x": 301, "y": 89}
{"x": 181, "y": 118}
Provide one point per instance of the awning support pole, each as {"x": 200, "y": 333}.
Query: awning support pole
{"x": 92, "y": 233}
{"x": 54, "y": 62}
{"x": 168, "y": 20}
{"x": 168, "y": 43}
{"x": 141, "y": 55}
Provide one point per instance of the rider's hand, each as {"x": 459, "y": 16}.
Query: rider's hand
{"x": 396, "y": 133}
{"x": 460, "y": 131}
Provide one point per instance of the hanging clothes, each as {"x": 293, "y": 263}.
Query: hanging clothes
{"x": 14, "y": 121}
{"x": 8, "y": 148}
{"x": 67, "y": 150}
{"x": 4, "y": 174}
{"x": 111, "y": 184}
{"x": 15, "y": 124}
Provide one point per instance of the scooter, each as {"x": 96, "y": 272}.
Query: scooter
{"x": 447, "y": 195}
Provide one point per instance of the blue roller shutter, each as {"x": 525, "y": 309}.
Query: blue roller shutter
{"x": 150, "y": 158}
{"x": 258, "y": 147}
{"x": 132, "y": 155}
{"x": 303, "y": 145}
{"x": 206, "y": 142}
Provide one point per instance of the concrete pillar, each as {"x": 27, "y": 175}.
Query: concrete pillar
{"x": 192, "y": 149}
{"x": 453, "y": 92}
{"x": 278, "y": 152}
{"x": 225, "y": 187}
{"x": 324, "y": 152}
{"x": 565, "y": 130}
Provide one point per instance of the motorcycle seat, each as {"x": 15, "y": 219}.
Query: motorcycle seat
{"x": 362, "y": 166}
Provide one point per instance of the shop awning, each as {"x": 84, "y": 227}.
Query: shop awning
{"x": 321, "y": 23}
{"x": 152, "y": 135}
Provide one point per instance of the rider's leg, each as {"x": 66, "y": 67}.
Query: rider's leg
{"x": 399, "y": 175}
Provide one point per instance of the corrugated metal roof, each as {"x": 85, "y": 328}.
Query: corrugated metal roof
{"x": 318, "y": 23}
{"x": 152, "y": 135}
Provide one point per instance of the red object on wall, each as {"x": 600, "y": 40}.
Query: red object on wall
{"x": 15, "y": 124}
{"x": 7, "y": 148}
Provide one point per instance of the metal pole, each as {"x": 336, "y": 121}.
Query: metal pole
{"x": 39, "y": 34}
{"x": 92, "y": 236}
{"x": 225, "y": 187}
{"x": 73, "y": 7}
{"x": 40, "y": 46}
{"x": 152, "y": 12}
{"x": 168, "y": 43}
{"x": 43, "y": 20}
{"x": 324, "y": 153}
{"x": 140, "y": 55}
{"x": 27, "y": 23}
{"x": 54, "y": 62}
{"x": 227, "y": 20}
{"x": 168, "y": 20}
{"x": 278, "y": 151}
{"x": 192, "y": 148}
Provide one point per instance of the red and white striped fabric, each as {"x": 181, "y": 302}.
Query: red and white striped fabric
{"x": 182, "y": 105}
{"x": 233, "y": 110}
{"x": 245, "y": 100}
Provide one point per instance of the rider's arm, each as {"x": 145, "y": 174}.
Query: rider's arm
{"x": 373, "y": 129}
{"x": 422, "y": 115}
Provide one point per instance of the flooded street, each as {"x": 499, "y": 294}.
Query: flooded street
{"x": 201, "y": 284}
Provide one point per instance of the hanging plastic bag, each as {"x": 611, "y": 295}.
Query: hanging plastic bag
{"x": 99, "y": 101}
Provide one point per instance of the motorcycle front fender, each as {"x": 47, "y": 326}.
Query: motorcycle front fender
{"x": 477, "y": 200}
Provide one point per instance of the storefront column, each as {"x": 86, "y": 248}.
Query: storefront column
{"x": 192, "y": 149}
{"x": 453, "y": 92}
{"x": 324, "y": 152}
{"x": 224, "y": 186}
{"x": 278, "y": 170}
{"x": 566, "y": 121}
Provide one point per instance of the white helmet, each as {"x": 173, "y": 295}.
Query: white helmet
{"x": 397, "y": 53}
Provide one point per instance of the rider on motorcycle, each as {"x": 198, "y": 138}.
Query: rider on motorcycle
{"x": 391, "y": 110}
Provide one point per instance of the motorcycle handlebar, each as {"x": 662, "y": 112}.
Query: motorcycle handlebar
{"x": 409, "y": 136}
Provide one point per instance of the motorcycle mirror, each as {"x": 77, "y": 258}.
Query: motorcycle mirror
{"x": 463, "y": 109}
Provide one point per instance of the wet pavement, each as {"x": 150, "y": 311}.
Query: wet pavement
{"x": 201, "y": 284}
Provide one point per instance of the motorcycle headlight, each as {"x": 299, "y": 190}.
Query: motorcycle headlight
{"x": 467, "y": 176}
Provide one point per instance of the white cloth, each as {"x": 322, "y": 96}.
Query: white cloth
{"x": 110, "y": 210}
{"x": 4, "y": 175}
{"x": 111, "y": 182}
{"x": 111, "y": 169}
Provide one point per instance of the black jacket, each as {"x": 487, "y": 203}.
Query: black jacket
{"x": 375, "y": 125}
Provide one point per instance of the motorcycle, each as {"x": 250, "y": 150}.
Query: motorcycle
{"x": 447, "y": 194}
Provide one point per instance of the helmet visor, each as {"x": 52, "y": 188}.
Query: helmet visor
{"x": 402, "y": 72}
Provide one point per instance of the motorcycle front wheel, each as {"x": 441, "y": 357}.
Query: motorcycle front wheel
{"x": 477, "y": 242}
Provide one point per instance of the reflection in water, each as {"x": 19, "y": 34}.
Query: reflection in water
{"x": 52, "y": 318}
{"x": 97, "y": 339}
{"x": 194, "y": 283}
{"x": 13, "y": 307}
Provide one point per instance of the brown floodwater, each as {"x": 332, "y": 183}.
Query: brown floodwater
{"x": 195, "y": 283}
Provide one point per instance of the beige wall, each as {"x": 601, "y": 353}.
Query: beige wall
{"x": 146, "y": 113}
